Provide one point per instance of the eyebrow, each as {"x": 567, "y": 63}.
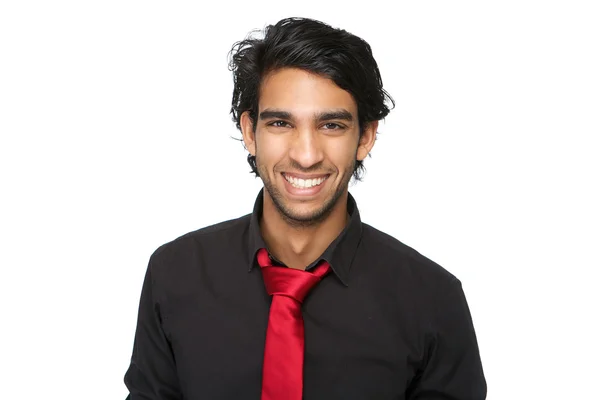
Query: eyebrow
{"x": 340, "y": 114}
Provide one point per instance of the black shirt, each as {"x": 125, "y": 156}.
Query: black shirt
{"x": 388, "y": 323}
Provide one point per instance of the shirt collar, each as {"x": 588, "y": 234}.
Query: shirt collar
{"x": 340, "y": 252}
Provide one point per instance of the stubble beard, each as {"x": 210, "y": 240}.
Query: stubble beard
{"x": 298, "y": 220}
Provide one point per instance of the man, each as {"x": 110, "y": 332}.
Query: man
{"x": 300, "y": 299}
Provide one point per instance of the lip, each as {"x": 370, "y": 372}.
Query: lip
{"x": 303, "y": 192}
{"x": 305, "y": 177}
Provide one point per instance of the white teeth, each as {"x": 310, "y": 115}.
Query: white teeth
{"x": 304, "y": 183}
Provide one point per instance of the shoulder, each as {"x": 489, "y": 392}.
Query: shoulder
{"x": 213, "y": 238}
{"x": 405, "y": 261}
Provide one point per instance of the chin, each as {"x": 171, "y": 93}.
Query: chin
{"x": 305, "y": 216}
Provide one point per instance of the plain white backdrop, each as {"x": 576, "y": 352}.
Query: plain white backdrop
{"x": 116, "y": 138}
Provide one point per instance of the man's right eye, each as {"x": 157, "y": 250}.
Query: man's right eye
{"x": 278, "y": 124}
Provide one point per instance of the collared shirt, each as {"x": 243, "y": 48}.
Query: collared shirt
{"x": 388, "y": 323}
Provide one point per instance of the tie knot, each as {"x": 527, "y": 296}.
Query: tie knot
{"x": 289, "y": 282}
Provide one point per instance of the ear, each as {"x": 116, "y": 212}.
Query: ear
{"x": 367, "y": 140}
{"x": 248, "y": 133}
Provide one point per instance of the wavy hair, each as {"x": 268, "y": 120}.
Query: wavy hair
{"x": 315, "y": 47}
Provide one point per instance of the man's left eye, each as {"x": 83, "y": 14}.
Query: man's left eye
{"x": 331, "y": 125}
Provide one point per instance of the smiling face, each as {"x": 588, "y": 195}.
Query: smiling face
{"x": 306, "y": 143}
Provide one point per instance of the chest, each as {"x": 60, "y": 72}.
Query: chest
{"x": 357, "y": 345}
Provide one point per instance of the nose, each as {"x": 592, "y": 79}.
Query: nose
{"x": 306, "y": 148}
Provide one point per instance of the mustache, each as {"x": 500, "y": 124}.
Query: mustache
{"x": 295, "y": 166}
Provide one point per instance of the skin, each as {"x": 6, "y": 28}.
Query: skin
{"x": 307, "y": 126}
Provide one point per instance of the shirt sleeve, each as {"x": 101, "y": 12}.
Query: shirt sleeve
{"x": 151, "y": 374}
{"x": 453, "y": 369}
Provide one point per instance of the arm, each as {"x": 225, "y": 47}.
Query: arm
{"x": 151, "y": 374}
{"x": 452, "y": 370}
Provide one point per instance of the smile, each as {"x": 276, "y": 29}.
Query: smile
{"x": 304, "y": 183}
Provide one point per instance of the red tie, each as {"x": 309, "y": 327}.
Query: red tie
{"x": 284, "y": 346}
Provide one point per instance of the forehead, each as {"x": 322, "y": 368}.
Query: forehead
{"x": 301, "y": 92}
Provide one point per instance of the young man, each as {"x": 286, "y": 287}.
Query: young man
{"x": 300, "y": 299}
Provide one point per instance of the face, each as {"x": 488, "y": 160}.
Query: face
{"x": 306, "y": 142}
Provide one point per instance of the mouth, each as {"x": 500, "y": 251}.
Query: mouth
{"x": 306, "y": 181}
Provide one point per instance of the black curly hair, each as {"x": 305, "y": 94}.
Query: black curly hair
{"x": 315, "y": 47}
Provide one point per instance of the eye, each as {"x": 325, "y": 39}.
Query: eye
{"x": 332, "y": 126}
{"x": 279, "y": 124}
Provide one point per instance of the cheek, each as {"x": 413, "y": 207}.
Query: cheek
{"x": 342, "y": 152}
{"x": 270, "y": 151}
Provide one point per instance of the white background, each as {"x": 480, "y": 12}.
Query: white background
{"x": 116, "y": 137}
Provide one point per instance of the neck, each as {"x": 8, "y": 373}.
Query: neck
{"x": 298, "y": 245}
